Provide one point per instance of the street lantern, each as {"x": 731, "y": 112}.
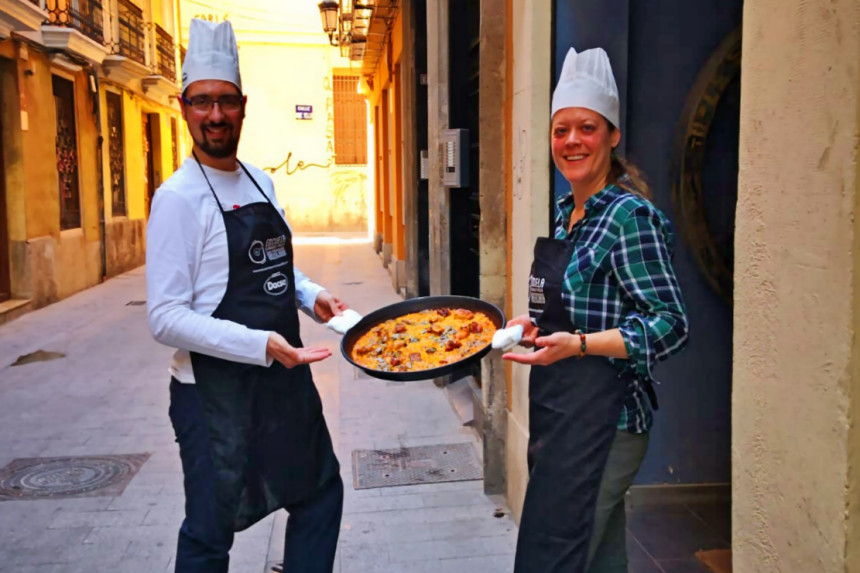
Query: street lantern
{"x": 346, "y": 22}
{"x": 328, "y": 14}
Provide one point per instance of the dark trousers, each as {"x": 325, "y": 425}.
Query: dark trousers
{"x": 312, "y": 528}
{"x": 607, "y": 552}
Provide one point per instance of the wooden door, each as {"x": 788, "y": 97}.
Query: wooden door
{"x": 148, "y": 162}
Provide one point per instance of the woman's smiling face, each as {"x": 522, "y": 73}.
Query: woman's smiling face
{"x": 581, "y": 147}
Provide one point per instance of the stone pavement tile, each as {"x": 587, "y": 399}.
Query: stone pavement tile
{"x": 47, "y": 540}
{"x": 255, "y": 566}
{"x": 100, "y": 557}
{"x": 276, "y": 540}
{"x": 427, "y": 515}
{"x": 106, "y": 518}
{"x": 455, "y": 498}
{"x": 39, "y": 549}
{"x": 153, "y": 478}
{"x": 167, "y": 517}
{"x": 251, "y": 547}
{"x": 161, "y": 549}
{"x": 383, "y": 532}
{"x": 21, "y": 519}
{"x": 374, "y": 504}
{"x": 141, "y": 543}
{"x": 482, "y": 564}
{"x": 147, "y": 500}
{"x": 365, "y": 558}
{"x": 451, "y": 548}
{"x": 134, "y": 565}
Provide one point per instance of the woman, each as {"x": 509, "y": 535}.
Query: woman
{"x": 604, "y": 306}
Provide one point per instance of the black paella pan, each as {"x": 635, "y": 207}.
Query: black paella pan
{"x": 378, "y": 316}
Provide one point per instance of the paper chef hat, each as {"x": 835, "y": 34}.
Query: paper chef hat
{"x": 212, "y": 54}
{"x": 586, "y": 81}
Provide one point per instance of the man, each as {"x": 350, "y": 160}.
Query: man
{"x": 222, "y": 289}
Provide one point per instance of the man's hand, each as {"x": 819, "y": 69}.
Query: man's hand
{"x": 327, "y": 305}
{"x": 281, "y": 350}
{"x": 553, "y": 348}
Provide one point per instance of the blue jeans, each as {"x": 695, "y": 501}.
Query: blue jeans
{"x": 608, "y": 549}
{"x": 313, "y": 526}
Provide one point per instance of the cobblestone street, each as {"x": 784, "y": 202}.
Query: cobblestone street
{"x": 108, "y": 394}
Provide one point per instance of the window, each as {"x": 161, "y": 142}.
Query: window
{"x": 67, "y": 153}
{"x": 350, "y": 122}
{"x": 116, "y": 152}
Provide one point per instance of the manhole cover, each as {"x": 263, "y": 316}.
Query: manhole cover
{"x": 411, "y": 466}
{"x": 40, "y": 478}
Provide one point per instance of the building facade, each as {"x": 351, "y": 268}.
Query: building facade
{"x": 745, "y": 120}
{"x": 90, "y": 127}
{"x": 306, "y": 122}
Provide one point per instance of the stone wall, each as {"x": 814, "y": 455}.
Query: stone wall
{"x": 795, "y": 443}
{"x": 125, "y": 245}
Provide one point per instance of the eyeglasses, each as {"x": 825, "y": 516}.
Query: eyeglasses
{"x": 205, "y": 103}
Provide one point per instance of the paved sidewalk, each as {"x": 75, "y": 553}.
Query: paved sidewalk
{"x": 108, "y": 395}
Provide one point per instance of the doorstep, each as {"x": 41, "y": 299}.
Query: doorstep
{"x": 465, "y": 398}
{"x": 13, "y": 308}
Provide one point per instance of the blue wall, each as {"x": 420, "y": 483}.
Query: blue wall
{"x": 657, "y": 49}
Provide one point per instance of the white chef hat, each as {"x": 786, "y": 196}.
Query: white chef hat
{"x": 587, "y": 81}
{"x": 212, "y": 54}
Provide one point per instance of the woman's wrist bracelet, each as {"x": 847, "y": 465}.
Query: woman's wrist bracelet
{"x": 582, "y": 346}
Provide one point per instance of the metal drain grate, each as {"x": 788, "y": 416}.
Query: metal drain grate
{"x": 135, "y": 303}
{"x": 51, "y": 478}
{"x": 412, "y": 466}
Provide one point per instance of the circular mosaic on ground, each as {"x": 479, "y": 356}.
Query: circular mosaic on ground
{"x": 64, "y": 477}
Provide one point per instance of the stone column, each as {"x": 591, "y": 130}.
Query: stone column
{"x": 493, "y": 228}
{"x": 408, "y": 146}
{"x": 796, "y": 378}
{"x": 532, "y": 32}
{"x": 438, "y": 71}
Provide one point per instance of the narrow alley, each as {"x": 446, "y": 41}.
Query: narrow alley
{"x": 96, "y": 384}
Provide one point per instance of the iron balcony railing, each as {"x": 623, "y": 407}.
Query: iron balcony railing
{"x": 86, "y": 16}
{"x": 132, "y": 36}
{"x": 165, "y": 54}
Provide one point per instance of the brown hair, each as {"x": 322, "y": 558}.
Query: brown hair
{"x": 619, "y": 167}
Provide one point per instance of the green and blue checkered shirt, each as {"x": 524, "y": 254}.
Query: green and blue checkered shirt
{"x": 620, "y": 276}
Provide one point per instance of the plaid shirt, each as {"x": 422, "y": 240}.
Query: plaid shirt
{"x": 620, "y": 276}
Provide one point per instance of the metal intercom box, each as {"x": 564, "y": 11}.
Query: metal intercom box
{"x": 455, "y": 157}
{"x": 424, "y": 169}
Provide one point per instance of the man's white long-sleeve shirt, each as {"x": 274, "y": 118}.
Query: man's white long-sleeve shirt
{"x": 187, "y": 267}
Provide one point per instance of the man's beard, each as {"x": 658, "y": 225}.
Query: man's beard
{"x": 219, "y": 151}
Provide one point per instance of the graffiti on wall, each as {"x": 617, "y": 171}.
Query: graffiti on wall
{"x": 300, "y": 166}
{"x": 329, "y": 136}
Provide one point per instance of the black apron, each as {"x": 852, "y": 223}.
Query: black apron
{"x": 268, "y": 438}
{"x": 574, "y": 406}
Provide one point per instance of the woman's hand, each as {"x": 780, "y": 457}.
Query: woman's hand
{"x": 327, "y": 305}
{"x": 281, "y": 350}
{"x": 530, "y": 331}
{"x": 553, "y": 348}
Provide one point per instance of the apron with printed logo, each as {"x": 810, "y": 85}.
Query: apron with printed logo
{"x": 268, "y": 438}
{"x": 574, "y": 406}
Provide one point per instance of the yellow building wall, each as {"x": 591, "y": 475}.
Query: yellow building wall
{"x": 286, "y": 60}
{"x": 317, "y": 194}
{"x": 125, "y": 234}
{"x": 47, "y": 263}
